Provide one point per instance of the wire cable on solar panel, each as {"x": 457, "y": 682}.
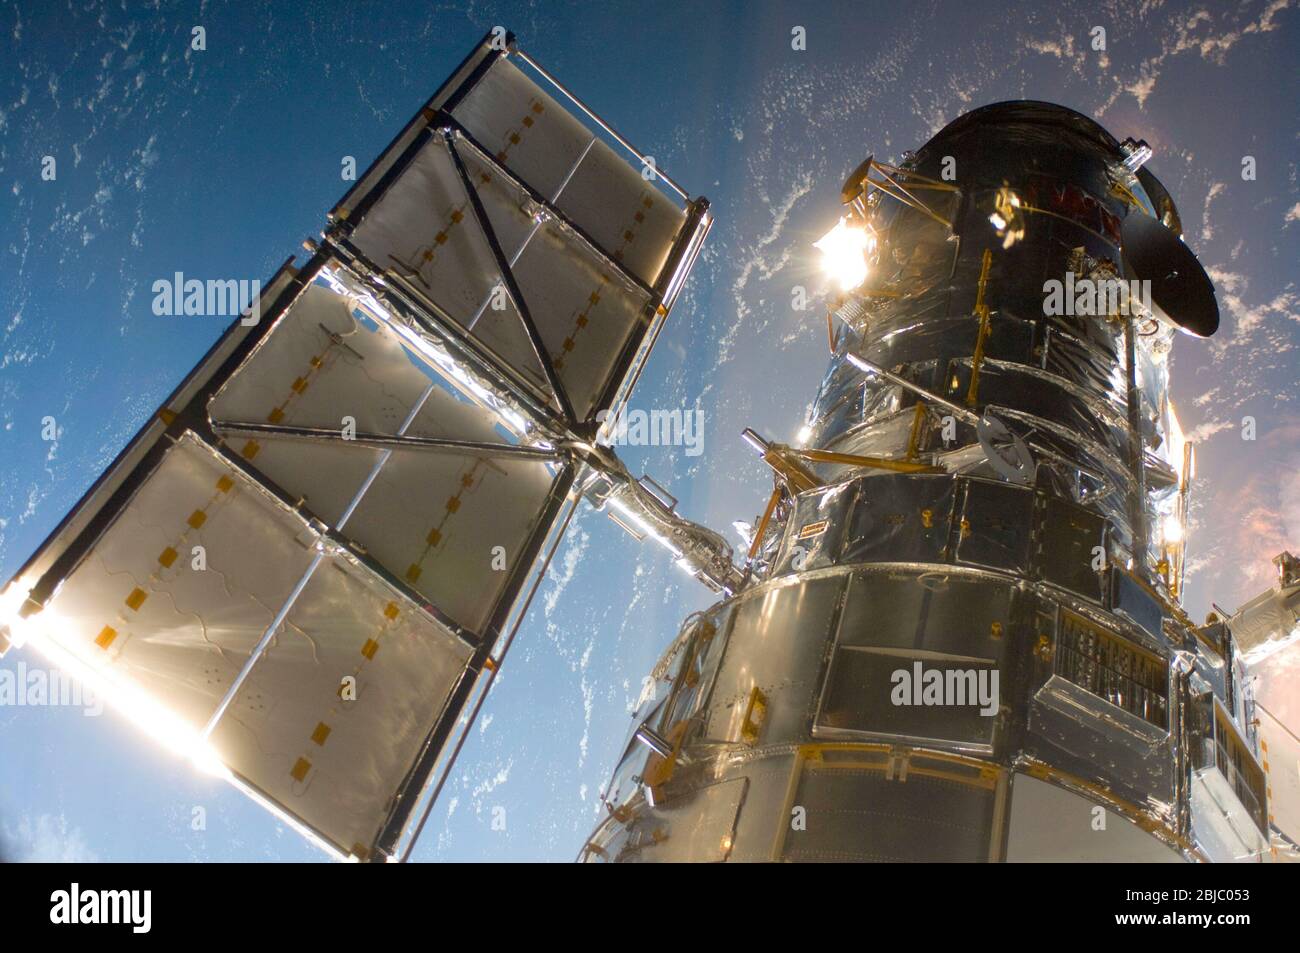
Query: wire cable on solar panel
{"x": 337, "y": 336}
{"x": 315, "y": 647}
{"x": 258, "y": 650}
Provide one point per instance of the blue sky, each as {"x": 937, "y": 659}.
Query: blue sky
{"x": 218, "y": 163}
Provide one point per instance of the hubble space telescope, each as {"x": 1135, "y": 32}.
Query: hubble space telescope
{"x": 989, "y": 498}
{"x": 307, "y": 568}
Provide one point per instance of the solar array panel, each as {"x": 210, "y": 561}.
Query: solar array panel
{"x": 299, "y": 569}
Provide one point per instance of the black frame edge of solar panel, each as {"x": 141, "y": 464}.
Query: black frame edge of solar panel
{"x": 414, "y": 785}
{"x": 68, "y": 556}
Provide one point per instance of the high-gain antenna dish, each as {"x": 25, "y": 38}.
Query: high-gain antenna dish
{"x": 1181, "y": 291}
{"x": 856, "y": 183}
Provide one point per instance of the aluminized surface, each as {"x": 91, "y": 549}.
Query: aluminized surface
{"x": 1118, "y": 729}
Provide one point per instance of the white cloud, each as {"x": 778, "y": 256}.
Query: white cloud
{"x": 1207, "y": 230}
{"x": 1198, "y": 33}
{"x": 575, "y": 549}
{"x": 44, "y": 839}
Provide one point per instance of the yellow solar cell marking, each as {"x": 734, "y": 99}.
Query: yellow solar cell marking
{"x": 514, "y": 136}
{"x": 426, "y": 253}
{"x": 316, "y": 364}
{"x": 250, "y": 450}
{"x": 320, "y": 734}
{"x": 582, "y": 318}
{"x": 452, "y": 506}
{"x": 167, "y": 558}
